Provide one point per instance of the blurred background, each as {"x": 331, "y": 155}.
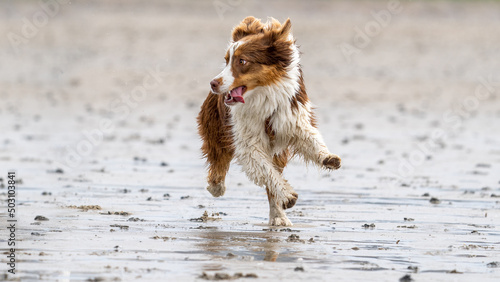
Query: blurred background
{"x": 69, "y": 65}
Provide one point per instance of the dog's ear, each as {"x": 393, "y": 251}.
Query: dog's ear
{"x": 278, "y": 41}
{"x": 248, "y": 26}
{"x": 277, "y": 31}
{"x": 286, "y": 27}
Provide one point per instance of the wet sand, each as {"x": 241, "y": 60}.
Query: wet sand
{"x": 418, "y": 193}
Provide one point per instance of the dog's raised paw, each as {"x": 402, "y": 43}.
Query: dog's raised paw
{"x": 332, "y": 162}
{"x": 280, "y": 221}
{"x": 289, "y": 200}
{"x": 217, "y": 190}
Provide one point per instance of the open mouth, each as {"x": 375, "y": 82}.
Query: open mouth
{"x": 235, "y": 96}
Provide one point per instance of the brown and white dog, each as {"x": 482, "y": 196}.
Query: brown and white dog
{"x": 261, "y": 114}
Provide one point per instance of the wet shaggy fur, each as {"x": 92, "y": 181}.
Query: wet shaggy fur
{"x": 273, "y": 123}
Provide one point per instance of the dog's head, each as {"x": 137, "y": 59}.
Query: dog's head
{"x": 258, "y": 55}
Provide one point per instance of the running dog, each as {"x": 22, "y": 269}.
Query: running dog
{"x": 258, "y": 112}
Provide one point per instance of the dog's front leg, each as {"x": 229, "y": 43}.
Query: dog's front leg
{"x": 258, "y": 165}
{"x": 310, "y": 145}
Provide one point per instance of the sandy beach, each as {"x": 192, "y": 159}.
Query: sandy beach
{"x": 98, "y": 126}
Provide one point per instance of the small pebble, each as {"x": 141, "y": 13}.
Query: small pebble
{"x": 434, "y": 201}
{"x": 406, "y": 278}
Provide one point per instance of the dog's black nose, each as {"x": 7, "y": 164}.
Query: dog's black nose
{"x": 214, "y": 84}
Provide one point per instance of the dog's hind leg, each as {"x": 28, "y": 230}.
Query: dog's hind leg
{"x": 215, "y": 131}
{"x": 277, "y": 215}
{"x": 217, "y": 174}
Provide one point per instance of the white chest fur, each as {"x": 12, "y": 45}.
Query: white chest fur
{"x": 261, "y": 103}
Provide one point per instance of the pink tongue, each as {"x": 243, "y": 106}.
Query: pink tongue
{"x": 237, "y": 94}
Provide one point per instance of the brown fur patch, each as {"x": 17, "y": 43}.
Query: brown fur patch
{"x": 301, "y": 98}
{"x": 301, "y": 95}
{"x": 279, "y": 161}
{"x": 269, "y": 130}
{"x": 215, "y": 131}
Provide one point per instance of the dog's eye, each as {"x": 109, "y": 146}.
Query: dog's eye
{"x": 242, "y": 62}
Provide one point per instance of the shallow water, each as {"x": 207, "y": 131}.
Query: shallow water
{"x": 161, "y": 237}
